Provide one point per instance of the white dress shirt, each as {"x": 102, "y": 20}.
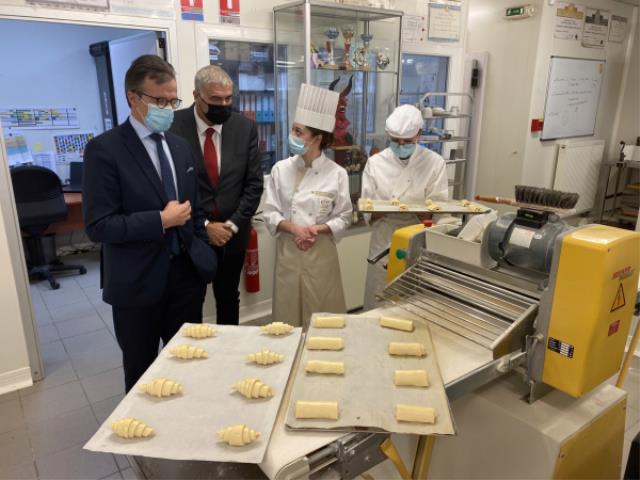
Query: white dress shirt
{"x": 150, "y": 145}
{"x": 216, "y": 137}
{"x": 202, "y": 127}
{"x": 322, "y": 197}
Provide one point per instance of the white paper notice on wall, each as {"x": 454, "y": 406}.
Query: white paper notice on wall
{"x": 573, "y": 93}
{"x": 75, "y": 4}
{"x": 444, "y": 22}
{"x": 569, "y": 21}
{"x": 414, "y": 29}
{"x": 618, "y": 29}
{"x": 596, "y": 27}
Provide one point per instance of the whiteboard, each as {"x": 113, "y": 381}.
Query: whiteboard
{"x": 573, "y": 93}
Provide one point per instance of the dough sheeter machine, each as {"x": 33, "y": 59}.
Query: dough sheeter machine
{"x": 538, "y": 303}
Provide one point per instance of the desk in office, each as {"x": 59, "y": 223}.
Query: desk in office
{"x": 74, "y": 219}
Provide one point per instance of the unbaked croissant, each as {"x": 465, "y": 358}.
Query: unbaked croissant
{"x": 253, "y": 388}
{"x": 161, "y": 387}
{"x": 188, "y": 352}
{"x": 265, "y": 357}
{"x": 238, "y": 435}
{"x": 277, "y": 328}
{"x": 201, "y": 330}
{"x": 131, "y": 428}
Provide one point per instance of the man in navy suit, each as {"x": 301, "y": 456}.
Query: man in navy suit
{"x": 140, "y": 199}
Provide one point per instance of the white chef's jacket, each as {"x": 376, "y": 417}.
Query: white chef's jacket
{"x": 424, "y": 176}
{"x": 322, "y": 197}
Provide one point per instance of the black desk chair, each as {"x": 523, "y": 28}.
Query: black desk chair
{"x": 40, "y": 202}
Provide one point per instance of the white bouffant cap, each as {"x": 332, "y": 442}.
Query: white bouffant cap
{"x": 404, "y": 122}
{"x": 317, "y": 107}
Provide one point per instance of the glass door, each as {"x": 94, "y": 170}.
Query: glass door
{"x": 424, "y": 74}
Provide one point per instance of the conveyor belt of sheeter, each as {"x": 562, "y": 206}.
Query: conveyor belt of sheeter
{"x": 474, "y": 308}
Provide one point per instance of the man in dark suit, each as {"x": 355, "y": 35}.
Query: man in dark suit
{"x": 140, "y": 200}
{"x": 230, "y": 178}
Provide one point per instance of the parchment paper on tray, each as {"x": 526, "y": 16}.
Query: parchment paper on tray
{"x": 366, "y": 393}
{"x": 454, "y": 206}
{"x": 186, "y": 425}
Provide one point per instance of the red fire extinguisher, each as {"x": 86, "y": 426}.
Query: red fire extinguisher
{"x": 252, "y": 264}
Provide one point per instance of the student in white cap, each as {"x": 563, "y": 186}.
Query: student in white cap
{"x": 308, "y": 209}
{"x": 405, "y": 171}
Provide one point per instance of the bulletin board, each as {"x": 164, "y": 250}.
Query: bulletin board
{"x": 573, "y": 93}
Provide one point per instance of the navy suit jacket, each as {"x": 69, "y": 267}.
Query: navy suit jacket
{"x": 122, "y": 196}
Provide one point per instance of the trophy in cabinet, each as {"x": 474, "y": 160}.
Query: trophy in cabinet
{"x": 347, "y": 33}
{"x": 382, "y": 60}
{"x": 361, "y": 57}
{"x": 331, "y": 33}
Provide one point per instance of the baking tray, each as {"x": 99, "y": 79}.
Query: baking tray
{"x": 186, "y": 425}
{"x": 366, "y": 394}
{"x": 385, "y": 206}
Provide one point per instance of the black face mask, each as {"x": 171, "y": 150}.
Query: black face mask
{"x": 218, "y": 114}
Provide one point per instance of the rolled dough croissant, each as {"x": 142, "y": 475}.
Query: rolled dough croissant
{"x": 199, "y": 331}
{"x": 238, "y": 435}
{"x": 161, "y": 387}
{"x": 187, "y": 352}
{"x": 265, "y": 357}
{"x": 131, "y": 428}
{"x": 277, "y": 328}
{"x": 253, "y": 388}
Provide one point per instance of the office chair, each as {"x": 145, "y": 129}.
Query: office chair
{"x": 40, "y": 202}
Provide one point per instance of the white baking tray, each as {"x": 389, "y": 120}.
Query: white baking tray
{"x": 366, "y": 394}
{"x": 186, "y": 425}
{"x": 385, "y": 206}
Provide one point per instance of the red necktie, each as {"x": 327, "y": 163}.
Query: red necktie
{"x": 211, "y": 158}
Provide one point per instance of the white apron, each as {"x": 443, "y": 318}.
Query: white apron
{"x": 306, "y": 282}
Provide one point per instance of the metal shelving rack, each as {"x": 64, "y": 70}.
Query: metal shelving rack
{"x": 460, "y": 164}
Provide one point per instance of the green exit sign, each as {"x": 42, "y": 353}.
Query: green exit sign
{"x": 523, "y": 11}
{"x": 515, "y": 11}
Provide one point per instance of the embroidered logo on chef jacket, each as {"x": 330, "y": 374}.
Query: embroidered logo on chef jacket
{"x": 324, "y": 201}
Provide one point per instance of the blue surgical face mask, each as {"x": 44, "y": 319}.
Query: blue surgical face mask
{"x": 157, "y": 119}
{"x": 296, "y": 145}
{"x": 402, "y": 151}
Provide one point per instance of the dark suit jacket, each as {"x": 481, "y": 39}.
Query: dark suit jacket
{"x": 122, "y": 197}
{"x": 239, "y": 189}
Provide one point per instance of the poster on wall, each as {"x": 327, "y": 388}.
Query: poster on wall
{"x": 596, "y": 27}
{"x": 569, "y": 21}
{"x": 618, "y": 29}
{"x": 414, "y": 29}
{"x": 444, "y": 22}
{"x": 99, "y": 5}
{"x": 39, "y": 118}
{"x": 192, "y": 10}
{"x": 146, "y": 8}
{"x": 230, "y": 12}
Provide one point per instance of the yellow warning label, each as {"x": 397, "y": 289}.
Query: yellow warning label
{"x": 619, "y": 301}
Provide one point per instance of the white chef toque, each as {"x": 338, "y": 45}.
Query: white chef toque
{"x": 404, "y": 122}
{"x": 317, "y": 107}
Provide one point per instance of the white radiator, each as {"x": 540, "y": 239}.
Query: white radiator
{"x": 578, "y": 170}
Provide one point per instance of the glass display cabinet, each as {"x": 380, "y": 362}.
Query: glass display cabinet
{"x": 250, "y": 66}
{"x": 353, "y": 50}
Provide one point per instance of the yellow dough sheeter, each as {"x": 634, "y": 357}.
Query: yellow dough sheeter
{"x": 528, "y": 326}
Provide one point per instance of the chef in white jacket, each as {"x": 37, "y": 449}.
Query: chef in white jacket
{"x": 406, "y": 171}
{"x": 308, "y": 209}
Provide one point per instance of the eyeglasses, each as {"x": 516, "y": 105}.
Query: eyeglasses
{"x": 163, "y": 102}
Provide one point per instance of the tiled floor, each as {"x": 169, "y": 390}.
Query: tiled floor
{"x": 43, "y": 428}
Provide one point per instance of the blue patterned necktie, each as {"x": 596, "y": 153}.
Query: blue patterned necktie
{"x": 169, "y": 187}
